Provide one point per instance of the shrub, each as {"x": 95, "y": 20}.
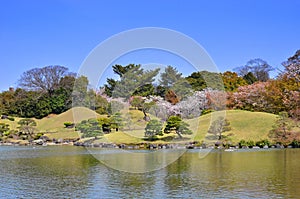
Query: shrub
{"x": 69, "y": 124}
{"x": 7, "y": 133}
{"x": 89, "y": 128}
{"x": 11, "y": 118}
{"x": 250, "y": 143}
{"x": 38, "y": 135}
{"x": 243, "y": 143}
{"x": 263, "y": 143}
{"x": 206, "y": 111}
{"x": 295, "y": 144}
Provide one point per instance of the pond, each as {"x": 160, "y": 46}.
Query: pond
{"x": 71, "y": 172}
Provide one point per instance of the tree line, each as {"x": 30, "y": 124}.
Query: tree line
{"x": 53, "y": 90}
{"x": 42, "y": 91}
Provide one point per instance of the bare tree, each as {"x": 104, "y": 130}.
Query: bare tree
{"x": 44, "y": 79}
{"x": 258, "y": 67}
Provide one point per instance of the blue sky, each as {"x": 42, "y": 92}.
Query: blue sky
{"x": 63, "y": 32}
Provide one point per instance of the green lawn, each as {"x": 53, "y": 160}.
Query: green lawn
{"x": 53, "y": 125}
{"x": 245, "y": 125}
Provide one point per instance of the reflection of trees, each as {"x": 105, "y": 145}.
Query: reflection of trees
{"x": 176, "y": 176}
{"x": 288, "y": 175}
{"x": 43, "y": 171}
{"x": 132, "y": 185}
{"x": 256, "y": 173}
{"x": 64, "y": 172}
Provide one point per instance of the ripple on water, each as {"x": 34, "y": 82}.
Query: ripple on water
{"x": 70, "y": 172}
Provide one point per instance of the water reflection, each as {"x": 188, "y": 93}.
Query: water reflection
{"x": 70, "y": 172}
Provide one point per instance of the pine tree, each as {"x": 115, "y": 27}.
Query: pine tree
{"x": 219, "y": 126}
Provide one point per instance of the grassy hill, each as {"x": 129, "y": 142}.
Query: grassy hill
{"x": 244, "y": 125}
{"x": 54, "y": 127}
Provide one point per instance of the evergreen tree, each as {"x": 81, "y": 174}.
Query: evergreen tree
{"x": 153, "y": 128}
{"x": 219, "y": 126}
{"x": 169, "y": 77}
{"x": 177, "y": 125}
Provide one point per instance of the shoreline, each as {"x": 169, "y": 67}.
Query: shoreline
{"x": 141, "y": 146}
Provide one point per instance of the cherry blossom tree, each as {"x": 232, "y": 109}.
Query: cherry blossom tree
{"x": 292, "y": 68}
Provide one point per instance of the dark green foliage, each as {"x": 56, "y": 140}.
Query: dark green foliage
{"x": 89, "y": 128}
{"x": 61, "y": 100}
{"x": 182, "y": 88}
{"x": 121, "y": 70}
{"x": 219, "y": 126}
{"x": 110, "y": 86}
{"x": 79, "y": 94}
{"x": 242, "y": 143}
{"x": 116, "y": 121}
{"x": 39, "y": 103}
{"x": 43, "y": 107}
{"x": 175, "y": 124}
{"x": 204, "y": 79}
{"x": 295, "y": 143}
{"x": 114, "y": 107}
{"x": 144, "y": 90}
{"x": 133, "y": 81}
{"x": 160, "y": 91}
{"x": 3, "y": 128}
{"x": 106, "y": 124}
{"x": 153, "y": 128}
{"x": 263, "y": 143}
{"x": 250, "y": 78}
{"x": 69, "y": 124}
{"x": 248, "y": 143}
{"x": 197, "y": 81}
{"x": 169, "y": 77}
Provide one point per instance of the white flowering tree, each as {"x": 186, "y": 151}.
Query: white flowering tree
{"x": 190, "y": 107}
{"x": 292, "y": 67}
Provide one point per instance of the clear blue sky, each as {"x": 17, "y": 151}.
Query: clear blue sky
{"x": 63, "y": 32}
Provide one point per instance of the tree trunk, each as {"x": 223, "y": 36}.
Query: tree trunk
{"x": 146, "y": 117}
{"x": 220, "y": 136}
{"x": 179, "y": 134}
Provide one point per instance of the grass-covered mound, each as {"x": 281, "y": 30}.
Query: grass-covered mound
{"x": 54, "y": 126}
{"x": 245, "y": 125}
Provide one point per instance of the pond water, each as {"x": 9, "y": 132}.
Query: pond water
{"x": 71, "y": 172}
